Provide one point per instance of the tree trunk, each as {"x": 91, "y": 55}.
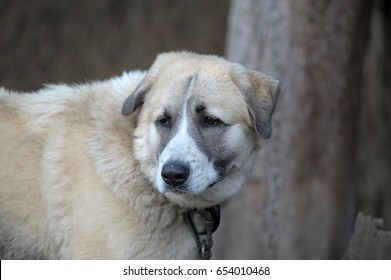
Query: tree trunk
{"x": 369, "y": 241}
{"x": 299, "y": 202}
{"x": 374, "y": 147}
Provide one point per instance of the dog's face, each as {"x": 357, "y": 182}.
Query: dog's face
{"x": 198, "y": 125}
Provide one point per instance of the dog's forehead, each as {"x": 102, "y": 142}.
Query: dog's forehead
{"x": 210, "y": 87}
{"x": 205, "y": 83}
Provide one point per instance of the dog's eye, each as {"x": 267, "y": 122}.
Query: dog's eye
{"x": 209, "y": 121}
{"x": 164, "y": 121}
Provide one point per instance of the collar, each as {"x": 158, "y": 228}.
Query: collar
{"x": 202, "y": 223}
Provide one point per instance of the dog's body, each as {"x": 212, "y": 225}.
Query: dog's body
{"x": 80, "y": 180}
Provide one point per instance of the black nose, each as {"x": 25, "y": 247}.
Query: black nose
{"x": 175, "y": 173}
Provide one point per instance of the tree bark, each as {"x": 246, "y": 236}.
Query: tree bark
{"x": 370, "y": 241}
{"x": 299, "y": 202}
{"x": 374, "y": 147}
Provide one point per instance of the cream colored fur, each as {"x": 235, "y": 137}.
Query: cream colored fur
{"x": 74, "y": 186}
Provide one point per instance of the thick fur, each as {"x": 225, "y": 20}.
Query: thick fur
{"x": 80, "y": 180}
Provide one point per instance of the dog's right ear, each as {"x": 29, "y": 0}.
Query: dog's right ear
{"x": 136, "y": 98}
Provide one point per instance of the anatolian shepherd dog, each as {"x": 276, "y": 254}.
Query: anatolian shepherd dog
{"x": 79, "y": 179}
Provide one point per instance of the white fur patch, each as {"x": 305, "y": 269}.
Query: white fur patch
{"x": 182, "y": 147}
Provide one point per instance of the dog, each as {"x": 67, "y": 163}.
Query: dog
{"x": 106, "y": 170}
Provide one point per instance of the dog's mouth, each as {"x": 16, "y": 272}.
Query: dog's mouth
{"x": 177, "y": 190}
{"x": 184, "y": 189}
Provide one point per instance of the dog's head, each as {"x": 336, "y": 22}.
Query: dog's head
{"x": 198, "y": 126}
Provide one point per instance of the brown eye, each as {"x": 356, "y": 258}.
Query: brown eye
{"x": 163, "y": 121}
{"x": 209, "y": 121}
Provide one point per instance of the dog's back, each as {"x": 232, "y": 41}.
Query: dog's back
{"x": 45, "y": 163}
{"x": 21, "y": 202}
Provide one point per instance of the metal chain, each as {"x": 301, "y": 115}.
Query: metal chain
{"x": 209, "y": 223}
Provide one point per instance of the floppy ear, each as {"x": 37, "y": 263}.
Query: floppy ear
{"x": 262, "y": 100}
{"x": 136, "y": 98}
{"x": 261, "y": 92}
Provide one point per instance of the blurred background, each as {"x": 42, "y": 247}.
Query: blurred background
{"x": 329, "y": 156}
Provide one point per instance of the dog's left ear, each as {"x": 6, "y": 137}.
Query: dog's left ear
{"x": 261, "y": 93}
{"x": 262, "y": 99}
{"x": 136, "y": 98}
